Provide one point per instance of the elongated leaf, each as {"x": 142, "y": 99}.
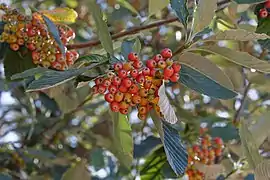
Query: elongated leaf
{"x": 102, "y": 28}
{"x": 146, "y": 146}
{"x": 156, "y": 6}
{"x": 92, "y": 58}
{"x": 122, "y": 139}
{"x": 129, "y": 46}
{"x": 54, "y": 32}
{"x": 175, "y": 150}
{"x": 181, "y": 10}
{"x": 126, "y": 4}
{"x": 79, "y": 171}
{"x": 201, "y": 75}
{"x": 165, "y": 107}
{"x": 204, "y": 14}
{"x": 17, "y": 62}
{"x": 250, "y": 148}
{"x": 237, "y": 57}
{"x": 249, "y": 1}
{"x": 236, "y": 76}
{"x": 61, "y": 15}
{"x": 237, "y": 35}
{"x": 262, "y": 171}
{"x": 29, "y": 73}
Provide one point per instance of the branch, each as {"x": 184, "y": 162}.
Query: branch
{"x": 131, "y": 31}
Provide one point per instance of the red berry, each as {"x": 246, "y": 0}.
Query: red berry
{"x": 14, "y": 47}
{"x": 218, "y": 141}
{"x": 109, "y": 97}
{"x": 31, "y": 46}
{"x": 168, "y": 72}
{"x": 127, "y": 82}
{"x": 98, "y": 80}
{"x": 124, "y": 111}
{"x": 137, "y": 64}
{"x": 57, "y": 65}
{"x": 31, "y": 32}
{"x": 133, "y": 89}
{"x": 118, "y": 66}
{"x": 140, "y": 79}
{"x": 175, "y": 77}
{"x": 122, "y": 73}
{"x": 116, "y": 81}
{"x": 151, "y": 63}
{"x": 134, "y": 73}
{"x": 166, "y": 53}
{"x": 70, "y": 34}
{"x": 267, "y": 4}
{"x": 146, "y": 71}
{"x": 133, "y": 57}
{"x": 152, "y": 72}
{"x": 123, "y": 89}
{"x": 101, "y": 89}
{"x": 147, "y": 84}
{"x": 176, "y": 67}
{"x": 35, "y": 55}
{"x": 69, "y": 56}
{"x": 59, "y": 57}
{"x": 106, "y": 83}
{"x": 162, "y": 64}
{"x": 158, "y": 57}
{"x": 263, "y": 13}
{"x": 218, "y": 152}
{"x": 75, "y": 54}
{"x": 112, "y": 89}
{"x": 114, "y": 106}
{"x": 196, "y": 148}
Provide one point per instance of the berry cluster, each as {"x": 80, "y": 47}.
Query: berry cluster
{"x": 133, "y": 84}
{"x": 263, "y": 13}
{"x": 32, "y": 32}
{"x": 208, "y": 152}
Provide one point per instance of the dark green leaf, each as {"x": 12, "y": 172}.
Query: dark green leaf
{"x": 54, "y": 32}
{"x": 102, "y": 28}
{"x": 249, "y": 1}
{"x": 199, "y": 82}
{"x": 180, "y": 8}
{"x": 97, "y": 158}
{"x": 29, "y": 73}
{"x": 126, "y": 4}
{"x": 92, "y": 58}
{"x": 17, "y": 62}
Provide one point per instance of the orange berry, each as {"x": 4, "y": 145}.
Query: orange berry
{"x": 143, "y": 102}
{"x": 162, "y": 64}
{"x": 127, "y": 97}
{"x": 14, "y": 47}
{"x": 123, "y": 105}
{"x": 124, "y": 111}
{"x": 143, "y": 92}
{"x": 119, "y": 96}
{"x": 142, "y": 110}
{"x": 136, "y": 99}
{"x": 127, "y": 66}
{"x": 147, "y": 84}
{"x": 46, "y": 64}
{"x": 20, "y": 41}
{"x": 142, "y": 116}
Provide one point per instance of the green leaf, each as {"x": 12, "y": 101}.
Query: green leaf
{"x": 29, "y": 73}
{"x": 122, "y": 139}
{"x": 129, "y": 46}
{"x": 249, "y": 1}
{"x": 237, "y": 57}
{"x": 97, "y": 158}
{"x": 17, "y": 62}
{"x": 251, "y": 150}
{"x": 156, "y": 6}
{"x": 92, "y": 58}
{"x": 61, "y": 15}
{"x": 102, "y": 28}
{"x": 181, "y": 10}
{"x": 235, "y": 74}
{"x": 127, "y": 5}
{"x": 201, "y": 75}
{"x": 54, "y": 32}
{"x": 165, "y": 107}
{"x": 237, "y": 35}
{"x": 79, "y": 171}
{"x": 204, "y": 13}
{"x": 262, "y": 170}
{"x": 146, "y": 146}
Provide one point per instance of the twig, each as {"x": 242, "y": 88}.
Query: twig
{"x": 131, "y": 31}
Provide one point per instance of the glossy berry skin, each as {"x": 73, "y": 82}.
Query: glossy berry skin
{"x": 114, "y": 106}
{"x": 126, "y": 82}
{"x": 122, "y": 73}
{"x": 146, "y": 71}
{"x": 152, "y": 72}
{"x": 162, "y": 64}
{"x": 116, "y": 81}
{"x": 143, "y": 92}
{"x": 133, "y": 57}
{"x": 134, "y": 73}
{"x": 112, "y": 89}
{"x": 127, "y": 97}
{"x": 127, "y": 66}
{"x": 263, "y": 13}
{"x": 166, "y": 53}
{"x": 142, "y": 110}
{"x": 106, "y": 83}
{"x": 158, "y": 57}
{"x": 168, "y": 72}
{"x": 137, "y": 64}
{"x": 267, "y": 4}
{"x": 147, "y": 84}
{"x": 14, "y": 47}
{"x": 123, "y": 89}
{"x": 140, "y": 79}
{"x": 150, "y": 63}
{"x": 175, "y": 77}
{"x": 176, "y": 67}
{"x": 123, "y": 105}
{"x": 142, "y": 117}
{"x": 133, "y": 89}
{"x": 118, "y": 66}
{"x": 218, "y": 141}
{"x": 124, "y": 111}
{"x": 31, "y": 32}
{"x": 101, "y": 89}
{"x": 136, "y": 99}
{"x": 119, "y": 96}
{"x": 109, "y": 97}
{"x": 98, "y": 81}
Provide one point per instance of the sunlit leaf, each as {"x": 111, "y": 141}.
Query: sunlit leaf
{"x": 79, "y": 171}
{"x": 61, "y": 15}
{"x": 237, "y": 57}
{"x": 181, "y": 10}
{"x": 156, "y": 6}
{"x": 102, "y": 28}
{"x": 126, "y": 4}
{"x": 204, "y": 13}
{"x": 262, "y": 171}
{"x": 250, "y": 148}
{"x": 92, "y": 58}
{"x": 249, "y": 1}
{"x": 165, "y": 107}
